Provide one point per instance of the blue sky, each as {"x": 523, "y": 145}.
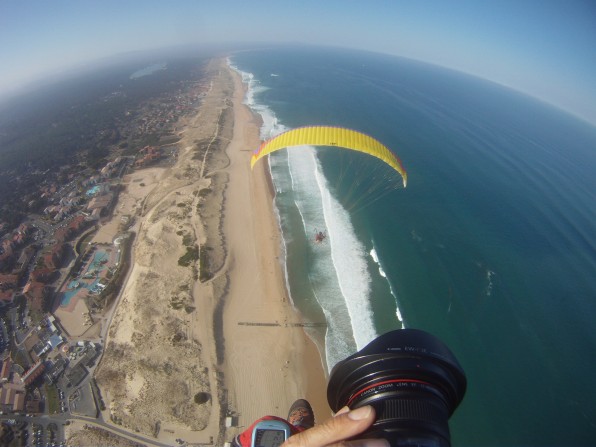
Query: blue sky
{"x": 546, "y": 48}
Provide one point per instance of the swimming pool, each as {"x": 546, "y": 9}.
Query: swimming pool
{"x": 92, "y": 191}
{"x": 92, "y": 272}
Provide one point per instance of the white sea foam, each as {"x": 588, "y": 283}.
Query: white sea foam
{"x": 270, "y": 125}
{"x": 338, "y": 275}
{"x": 349, "y": 260}
{"x": 322, "y": 275}
{"x": 489, "y": 277}
{"x": 375, "y": 257}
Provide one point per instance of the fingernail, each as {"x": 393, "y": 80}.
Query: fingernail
{"x": 360, "y": 413}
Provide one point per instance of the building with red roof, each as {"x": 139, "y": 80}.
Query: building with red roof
{"x": 6, "y": 370}
{"x": 6, "y": 296}
{"x": 43, "y": 275}
{"x": 35, "y": 292}
{"x": 7, "y": 246}
{"x": 8, "y": 281}
{"x": 33, "y": 373}
{"x": 53, "y": 259}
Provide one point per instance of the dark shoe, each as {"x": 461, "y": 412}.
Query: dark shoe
{"x": 301, "y": 414}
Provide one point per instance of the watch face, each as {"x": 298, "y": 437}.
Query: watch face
{"x": 269, "y": 438}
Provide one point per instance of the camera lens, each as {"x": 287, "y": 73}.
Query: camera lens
{"x": 412, "y": 380}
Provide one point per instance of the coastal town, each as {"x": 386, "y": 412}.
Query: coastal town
{"x": 62, "y": 266}
{"x": 165, "y": 302}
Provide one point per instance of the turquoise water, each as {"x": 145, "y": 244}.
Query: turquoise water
{"x": 98, "y": 257}
{"x": 92, "y": 191}
{"x": 95, "y": 268}
{"x": 491, "y": 247}
{"x": 67, "y": 296}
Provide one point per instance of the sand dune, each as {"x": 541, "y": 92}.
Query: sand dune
{"x": 195, "y": 330}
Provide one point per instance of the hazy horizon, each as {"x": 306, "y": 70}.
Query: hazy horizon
{"x": 541, "y": 48}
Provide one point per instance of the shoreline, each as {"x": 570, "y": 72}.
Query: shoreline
{"x": 218, "y": 347}
{"x": 301, "y": 374}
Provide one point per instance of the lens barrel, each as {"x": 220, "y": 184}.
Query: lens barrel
{"x": 412, "y": 380}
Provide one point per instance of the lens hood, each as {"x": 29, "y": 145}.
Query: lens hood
{"x": 410, "y": 377}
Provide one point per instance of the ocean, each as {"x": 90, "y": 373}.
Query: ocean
{"x": 491, "y": 247}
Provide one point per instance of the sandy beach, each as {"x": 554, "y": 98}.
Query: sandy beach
{"x": 203, "y": 328}
{"x": 266, "y": 367}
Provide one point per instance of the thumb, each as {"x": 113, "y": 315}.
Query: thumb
{"x": 341, "y": 427}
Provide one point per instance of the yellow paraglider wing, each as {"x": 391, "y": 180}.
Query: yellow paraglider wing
{"x": 331, "y": 136}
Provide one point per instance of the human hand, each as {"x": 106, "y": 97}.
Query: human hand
{"x": 335, "y": 431}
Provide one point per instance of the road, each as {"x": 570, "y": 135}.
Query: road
{"x": 61, "y": 419}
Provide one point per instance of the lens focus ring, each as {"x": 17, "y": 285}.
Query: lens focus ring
{"x": 411, "y": 409}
